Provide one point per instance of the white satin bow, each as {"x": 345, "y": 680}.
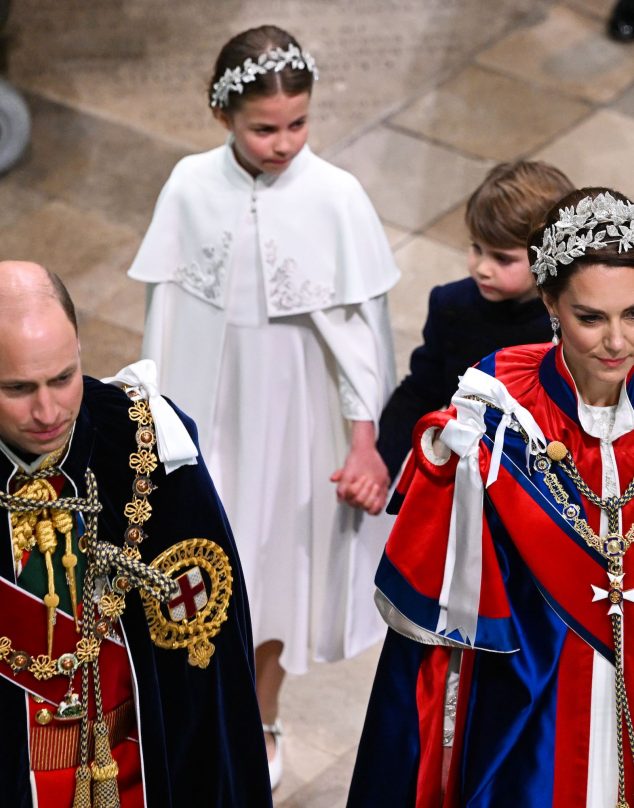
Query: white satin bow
{"x": 173, "y": 443}
{"x": 460, "y": 594}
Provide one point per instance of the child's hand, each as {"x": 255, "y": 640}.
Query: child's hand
{"x": 361, "y": 493}
{"x": 363, "y": 481}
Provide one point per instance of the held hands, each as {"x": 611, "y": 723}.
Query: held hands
{"x": 364, "y": 480}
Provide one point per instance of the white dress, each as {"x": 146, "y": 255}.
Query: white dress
{"x": 274, "y": 430}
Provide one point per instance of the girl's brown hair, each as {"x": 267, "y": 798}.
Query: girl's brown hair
{"x": 251, "y": 44}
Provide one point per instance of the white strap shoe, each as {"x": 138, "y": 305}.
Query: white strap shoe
{"x": 275, "y": 763}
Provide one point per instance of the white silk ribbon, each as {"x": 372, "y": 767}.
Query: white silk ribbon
{"x": 460, "y": 595}
{"x": 174, "y": 445}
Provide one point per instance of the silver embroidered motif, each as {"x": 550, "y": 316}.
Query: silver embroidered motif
{"x": 451, "y": 704}
{"x": 207, "y": 279}
{"x": 233, "y": 81}
{"x": 605, "y": 418}
{"x": 542, "y": 464}
{"x": 351, "y": 405}
{"x": 288, "y": 291}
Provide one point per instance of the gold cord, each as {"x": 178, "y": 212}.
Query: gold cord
{"x": 82, "y": 788}
{"x": 104, "y": 770}
{"x": 38, "y": 528}
{"x": 63, "y": 522}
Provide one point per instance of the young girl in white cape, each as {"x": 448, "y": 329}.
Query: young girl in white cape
{"x": 267, "y": 316}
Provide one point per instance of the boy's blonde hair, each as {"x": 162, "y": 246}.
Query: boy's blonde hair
{"x": 511, "y": 200}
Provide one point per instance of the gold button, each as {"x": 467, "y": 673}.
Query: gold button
{"x": 44, "y": 717}
{"x": 556, "y": 450}
{"x": 37, "y": 699}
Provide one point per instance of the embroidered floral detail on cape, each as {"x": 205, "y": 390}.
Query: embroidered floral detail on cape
{"x": 288, "y": 290}
{"x": 207, "y": 279}
{"x": 351, "y": 405}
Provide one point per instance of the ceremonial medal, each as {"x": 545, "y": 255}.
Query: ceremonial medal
{"x": 70, "y": 707}
{"x": 191, "y": 598}
{"x": 194, "y": 615}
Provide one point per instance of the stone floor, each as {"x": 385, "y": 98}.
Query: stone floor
{"x": 417, "y": 97}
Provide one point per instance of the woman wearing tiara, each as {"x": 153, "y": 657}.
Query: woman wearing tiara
{"x": 512, "y": 545}
{"x": 267, "y": 316}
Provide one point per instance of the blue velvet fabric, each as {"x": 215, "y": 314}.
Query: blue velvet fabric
{"x": 508, "y": 753}
{"x": 492, "y": 633}
{"x": 387, "y": 763}
{"x": 561, "y": 393}
{"x": 202, "y": 740}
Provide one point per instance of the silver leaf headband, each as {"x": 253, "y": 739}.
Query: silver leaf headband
{"x": 563, "y": 243}
{"x": 233, "y": 81}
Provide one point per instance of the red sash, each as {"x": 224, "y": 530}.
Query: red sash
{"x": 23, "y": 622}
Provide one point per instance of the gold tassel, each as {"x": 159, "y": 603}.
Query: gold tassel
{"x": 63, "y": 522}
{"x": 46, "y": 544}
{"x": 22, "y": 526}
{"x": 104, "y": 771}
{"x": 82, "y": 788}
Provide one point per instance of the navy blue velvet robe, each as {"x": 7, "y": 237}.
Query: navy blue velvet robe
{"x": 202, "y": 740}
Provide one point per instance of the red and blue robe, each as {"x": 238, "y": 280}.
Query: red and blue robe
{"x": 525, "y": 729}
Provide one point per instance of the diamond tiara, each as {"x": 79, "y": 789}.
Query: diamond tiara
{"x": 233, "y": 81}
{"x": 562, "y": 242}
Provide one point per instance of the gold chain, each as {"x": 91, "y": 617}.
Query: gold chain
{"x": 611, "y": 547}
{"x": 112, "y": 604}
{"x": 602, "y": 544}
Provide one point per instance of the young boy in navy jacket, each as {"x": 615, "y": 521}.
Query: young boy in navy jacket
{"x": 495, "y": 307}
